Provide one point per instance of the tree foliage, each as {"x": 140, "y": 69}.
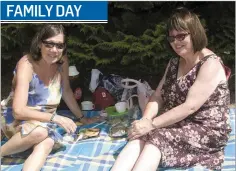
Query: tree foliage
{"x": 133, "y": 41}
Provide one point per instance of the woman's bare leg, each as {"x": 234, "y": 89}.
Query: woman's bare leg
{"x": 149, "y": 159}
{"x": 17, "y": 143}
{"x": 128, "y": 156}
{"x": 38, "y": 157}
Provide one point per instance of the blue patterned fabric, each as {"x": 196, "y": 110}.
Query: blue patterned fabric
{"x": 41, "y": 98}
{"x": 99, "y": 154}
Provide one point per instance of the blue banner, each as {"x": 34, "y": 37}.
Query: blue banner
{"x": 74, "y": 11}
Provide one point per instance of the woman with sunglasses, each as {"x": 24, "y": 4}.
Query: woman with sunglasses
{"x": 192, "y": 100}
{"x": 40, "y": 80}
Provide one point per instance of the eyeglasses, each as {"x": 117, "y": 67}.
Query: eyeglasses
{"x": 179, "y": 37}
{"x": 49, "y": 44}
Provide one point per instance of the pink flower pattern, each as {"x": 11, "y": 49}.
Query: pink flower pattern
{"x": 200, "y": 138}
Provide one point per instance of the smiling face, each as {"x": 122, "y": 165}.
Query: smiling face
{"x": 181, "y": 42}
{"x": 52, "y": 48}
{"x": 182, "y": 21}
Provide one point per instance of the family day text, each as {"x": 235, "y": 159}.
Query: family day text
{"x": 43, "y": 10}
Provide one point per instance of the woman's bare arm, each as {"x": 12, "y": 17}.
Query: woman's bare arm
{"x": 67, "y": 93}
{"x": 209, "y": 76}
{"x": 22, "y": 79}
{"x": 155, "y": 103}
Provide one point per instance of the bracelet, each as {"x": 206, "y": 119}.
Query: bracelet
{"x": 81, "y": 117}
{"x": 151, "y": 120}
{"x": 53, "y": 115}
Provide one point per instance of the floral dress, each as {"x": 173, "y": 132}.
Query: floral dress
{"x": 40, "y": 97}
{"x": 200, "y": 138}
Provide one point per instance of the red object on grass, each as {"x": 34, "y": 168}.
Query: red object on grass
{"x": 102, "y": 99}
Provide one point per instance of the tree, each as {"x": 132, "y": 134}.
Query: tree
{"x": 133, "y": 42}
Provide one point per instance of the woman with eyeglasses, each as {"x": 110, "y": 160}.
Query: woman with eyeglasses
{"x": 192, "y": 100}
{"x": 40, "y": 80}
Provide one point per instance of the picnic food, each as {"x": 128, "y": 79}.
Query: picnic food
{"x": 78, "y": 123}
{"x": 118, "y": 131}
{"x": 114, "y": 121}
{"x": 92, "y": 132}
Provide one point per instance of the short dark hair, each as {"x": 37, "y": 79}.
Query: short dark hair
{"x": 184, "y": 20}
{"x": 47, "y": 31}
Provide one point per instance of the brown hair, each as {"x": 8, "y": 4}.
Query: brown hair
{"x": 184, "y": 20}
{"x": 47, "y": 31}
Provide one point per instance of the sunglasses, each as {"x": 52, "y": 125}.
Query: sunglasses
{"x": 179, "y": 37}
{"x": 49, "y": 44}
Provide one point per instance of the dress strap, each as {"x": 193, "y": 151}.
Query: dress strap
{"x": 208, "y": 57}
{"x": 227, "y": 69}
{"x": 172, "y": 69}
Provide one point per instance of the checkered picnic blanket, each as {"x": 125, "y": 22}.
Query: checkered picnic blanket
{"x": 99, "y": 154}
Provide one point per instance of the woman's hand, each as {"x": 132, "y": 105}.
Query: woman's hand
{"x": 90, "y": 120}
{"x": 67, "y": 123}
{"x": 140, "y": 128}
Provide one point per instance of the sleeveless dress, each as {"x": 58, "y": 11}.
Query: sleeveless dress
{"x": 40, "y": 97}
{"x": 200, "y": 138}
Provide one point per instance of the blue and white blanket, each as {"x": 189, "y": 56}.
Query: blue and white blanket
{"x": 99, "y": 154}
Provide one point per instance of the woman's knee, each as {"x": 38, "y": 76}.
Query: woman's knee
{"x": 45, "y": 145}
{"x": 136, "y": 144}
{"x": 38, "y": 135}
{"x": 151, "y": 147}
{"x": 49, "y": 143}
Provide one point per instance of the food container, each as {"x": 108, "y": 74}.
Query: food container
{"x": 118, "y": 131}
{"x": 113, "y": 117}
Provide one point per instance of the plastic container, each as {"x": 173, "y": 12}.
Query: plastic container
{"x": 113, "y": 117}
{"x": 118, "y": 131}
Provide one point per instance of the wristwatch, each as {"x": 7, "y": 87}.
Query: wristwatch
{"x": 52, "y": 117}
{"x": 81, "y": 117}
